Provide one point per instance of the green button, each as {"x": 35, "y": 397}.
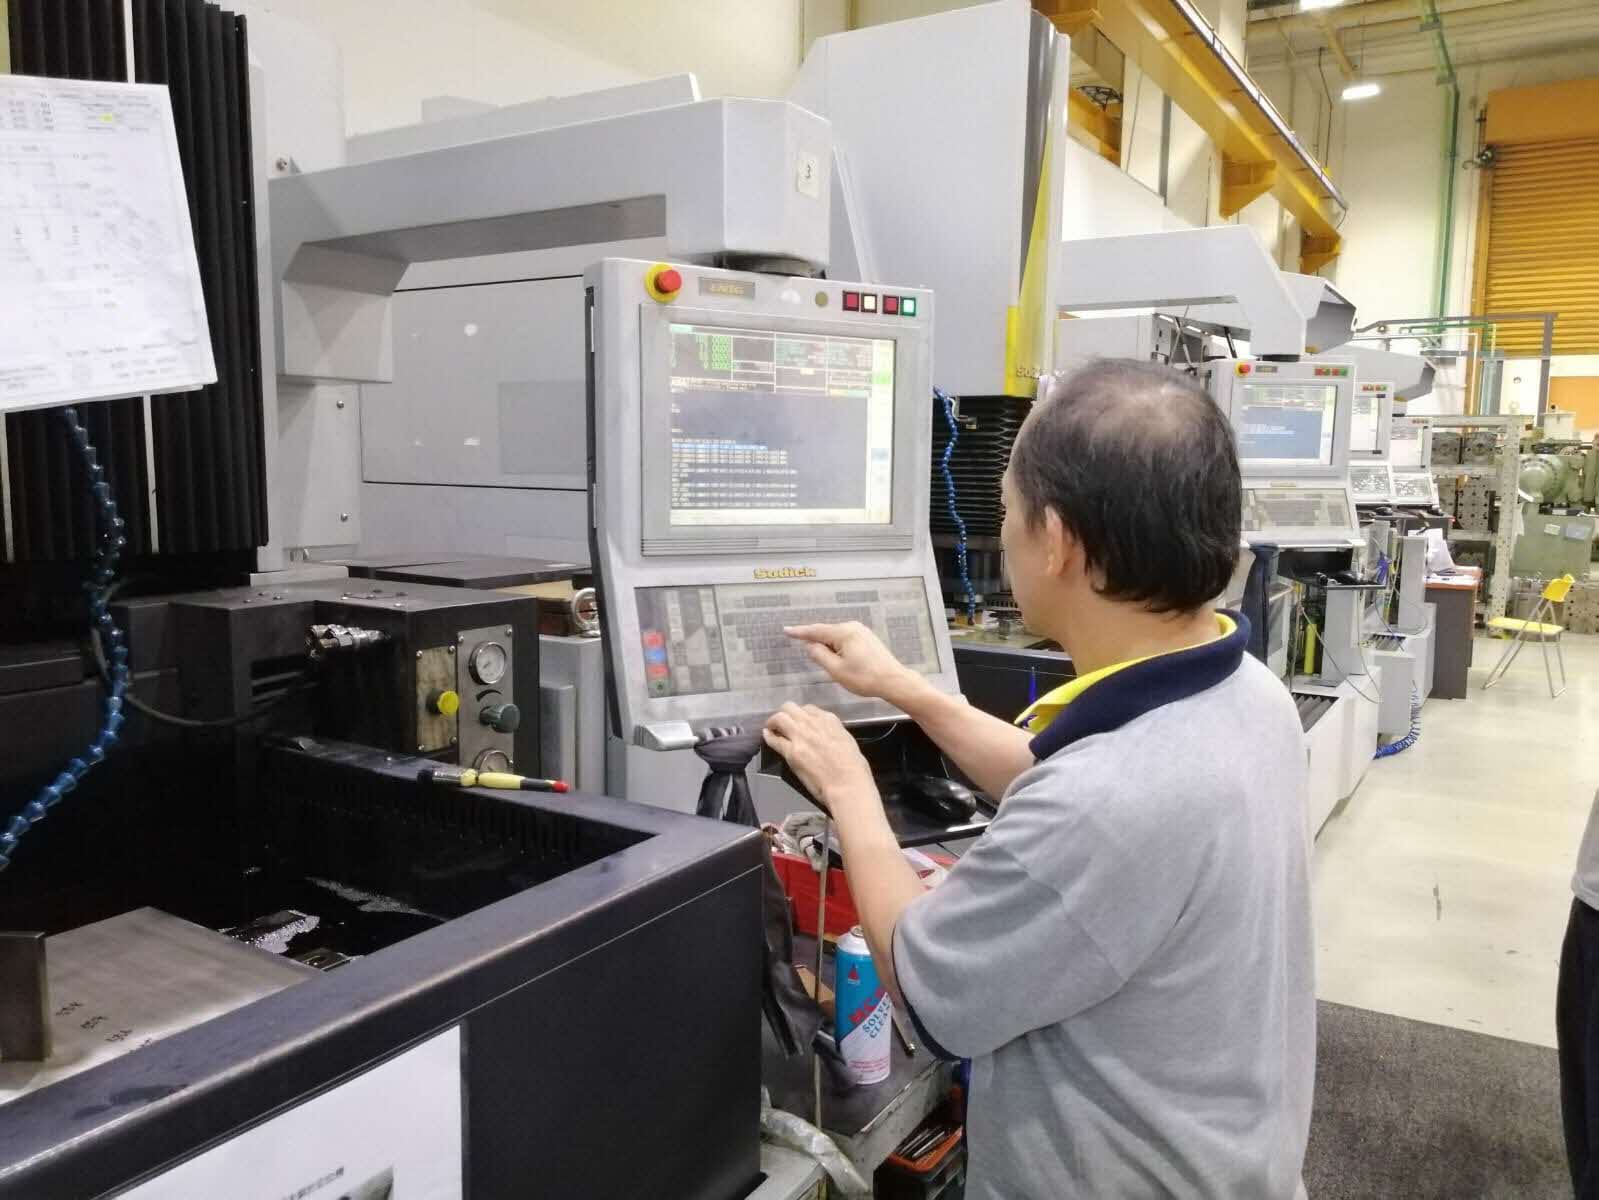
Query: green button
{"x": 907, "y": 306}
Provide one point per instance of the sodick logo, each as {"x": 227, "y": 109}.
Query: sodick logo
{"x": 785, "y": 572}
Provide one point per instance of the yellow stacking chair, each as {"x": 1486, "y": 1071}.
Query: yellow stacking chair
{"x": 1535, "y": 627}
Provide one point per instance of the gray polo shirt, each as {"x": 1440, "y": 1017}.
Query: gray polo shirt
{"x": 1126, "y": 955}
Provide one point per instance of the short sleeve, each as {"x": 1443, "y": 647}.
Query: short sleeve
{"x": 991, "y": 954}
{"x": 1049, "y": 913}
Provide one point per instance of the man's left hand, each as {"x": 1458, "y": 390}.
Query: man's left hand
{"x": 822, "y": 753}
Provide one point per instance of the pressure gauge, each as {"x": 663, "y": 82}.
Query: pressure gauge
{"x": 488, "y": 662}
{"x": 492, "y": 760}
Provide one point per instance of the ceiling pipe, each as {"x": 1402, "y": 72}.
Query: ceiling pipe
{"x": 1336, "y": 45}
{"x": 1375, "y": 70}
{"x": 1465, "y": 31}
{"x": 1345, "y": 16}
{"x": 1469, "y": 18}
{"x": 1471, "y": 47}
{"x": 1434, "y": 23}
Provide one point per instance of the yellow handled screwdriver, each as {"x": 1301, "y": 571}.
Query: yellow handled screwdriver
{"x": 504, "y": 780}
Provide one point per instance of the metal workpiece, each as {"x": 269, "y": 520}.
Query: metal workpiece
{"x": 24, "y": 998}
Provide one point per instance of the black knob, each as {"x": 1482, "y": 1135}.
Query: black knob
{"x": 502, "y": 718}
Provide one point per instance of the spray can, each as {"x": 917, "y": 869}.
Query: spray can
{"x": 863, "y": 1012}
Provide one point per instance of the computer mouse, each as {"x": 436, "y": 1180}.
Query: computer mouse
{"x": 938, "y": 799}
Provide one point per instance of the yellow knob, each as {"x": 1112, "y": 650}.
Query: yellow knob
{"x": 445, "y": 703}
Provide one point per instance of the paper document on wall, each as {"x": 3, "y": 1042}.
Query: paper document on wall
{"x": 100, "y": 291}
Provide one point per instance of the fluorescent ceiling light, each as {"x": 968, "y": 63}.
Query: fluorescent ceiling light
{"x": 1308, "y": 5}
{"x": 1361, "y": 91}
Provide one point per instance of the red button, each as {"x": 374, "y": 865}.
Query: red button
{"x": 852, "y": 302}
{"x": 653, "y": 640}
{"x": 655, "y": 671}
{"x": 891, "y": 305}
{"x": 669, "y": 281}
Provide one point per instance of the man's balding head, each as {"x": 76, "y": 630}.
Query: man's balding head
{"x": 1141, "y": 467}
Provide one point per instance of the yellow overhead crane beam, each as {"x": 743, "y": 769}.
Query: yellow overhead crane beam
{"x": 1102, "y": 125}
{"x": 1176, "y": 47}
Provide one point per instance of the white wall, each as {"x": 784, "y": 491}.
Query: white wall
{"x": 397, "y": 53}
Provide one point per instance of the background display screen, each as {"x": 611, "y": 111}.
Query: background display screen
{"x": 1286, "y": 423}
{"x": 1365, "y": 435}
{"x": 1404, "y": 450}
{"x": 777, "y": 428}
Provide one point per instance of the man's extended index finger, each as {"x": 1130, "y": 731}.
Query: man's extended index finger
{"x": 826, "y": 635}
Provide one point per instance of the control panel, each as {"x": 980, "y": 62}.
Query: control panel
{"x": 759, "y": 460}
{"x": 697, "y": 639}
{"x": 1299, "y": 516}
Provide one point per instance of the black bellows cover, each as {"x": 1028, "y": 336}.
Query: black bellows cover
{"x": 209, "y": 451}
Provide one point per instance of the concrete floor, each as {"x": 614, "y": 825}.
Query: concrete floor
{"x": 1442, "y": 885}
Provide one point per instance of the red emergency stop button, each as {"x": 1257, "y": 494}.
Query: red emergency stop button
{"x": 663, "y": 282}
{"x": 1243, "y": 368}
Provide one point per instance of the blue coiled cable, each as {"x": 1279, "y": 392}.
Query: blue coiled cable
{"x": 109, "y": 544}
{"x": 1409, "y": 740}
{"x": 954, "y": 512}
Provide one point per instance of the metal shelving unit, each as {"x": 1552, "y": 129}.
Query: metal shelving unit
{"x": 1507, "y": 474}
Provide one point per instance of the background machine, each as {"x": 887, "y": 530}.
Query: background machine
{"x": 1292, "y": 421}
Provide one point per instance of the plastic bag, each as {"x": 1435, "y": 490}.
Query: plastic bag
{"x": 1438, "y": 557}
{"x": 786, "y": 1129}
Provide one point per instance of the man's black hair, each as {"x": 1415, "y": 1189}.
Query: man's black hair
{"x": 1141, "y": 466}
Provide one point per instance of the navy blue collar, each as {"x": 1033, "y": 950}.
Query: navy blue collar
{"x": 1144, "y": 687}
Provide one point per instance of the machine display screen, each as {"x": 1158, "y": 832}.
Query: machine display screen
{"x": 1285, "y": 424}
{"x": 1365, "y": 437}
{"x": 1404, "y": 447}
{"x": 780, "y": 428}
{"x": 699, "y": 638}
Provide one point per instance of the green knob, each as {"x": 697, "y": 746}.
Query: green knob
{"x": 502, "y": 718}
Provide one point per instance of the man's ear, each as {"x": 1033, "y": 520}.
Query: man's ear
{"x": 1062, "y": 551}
